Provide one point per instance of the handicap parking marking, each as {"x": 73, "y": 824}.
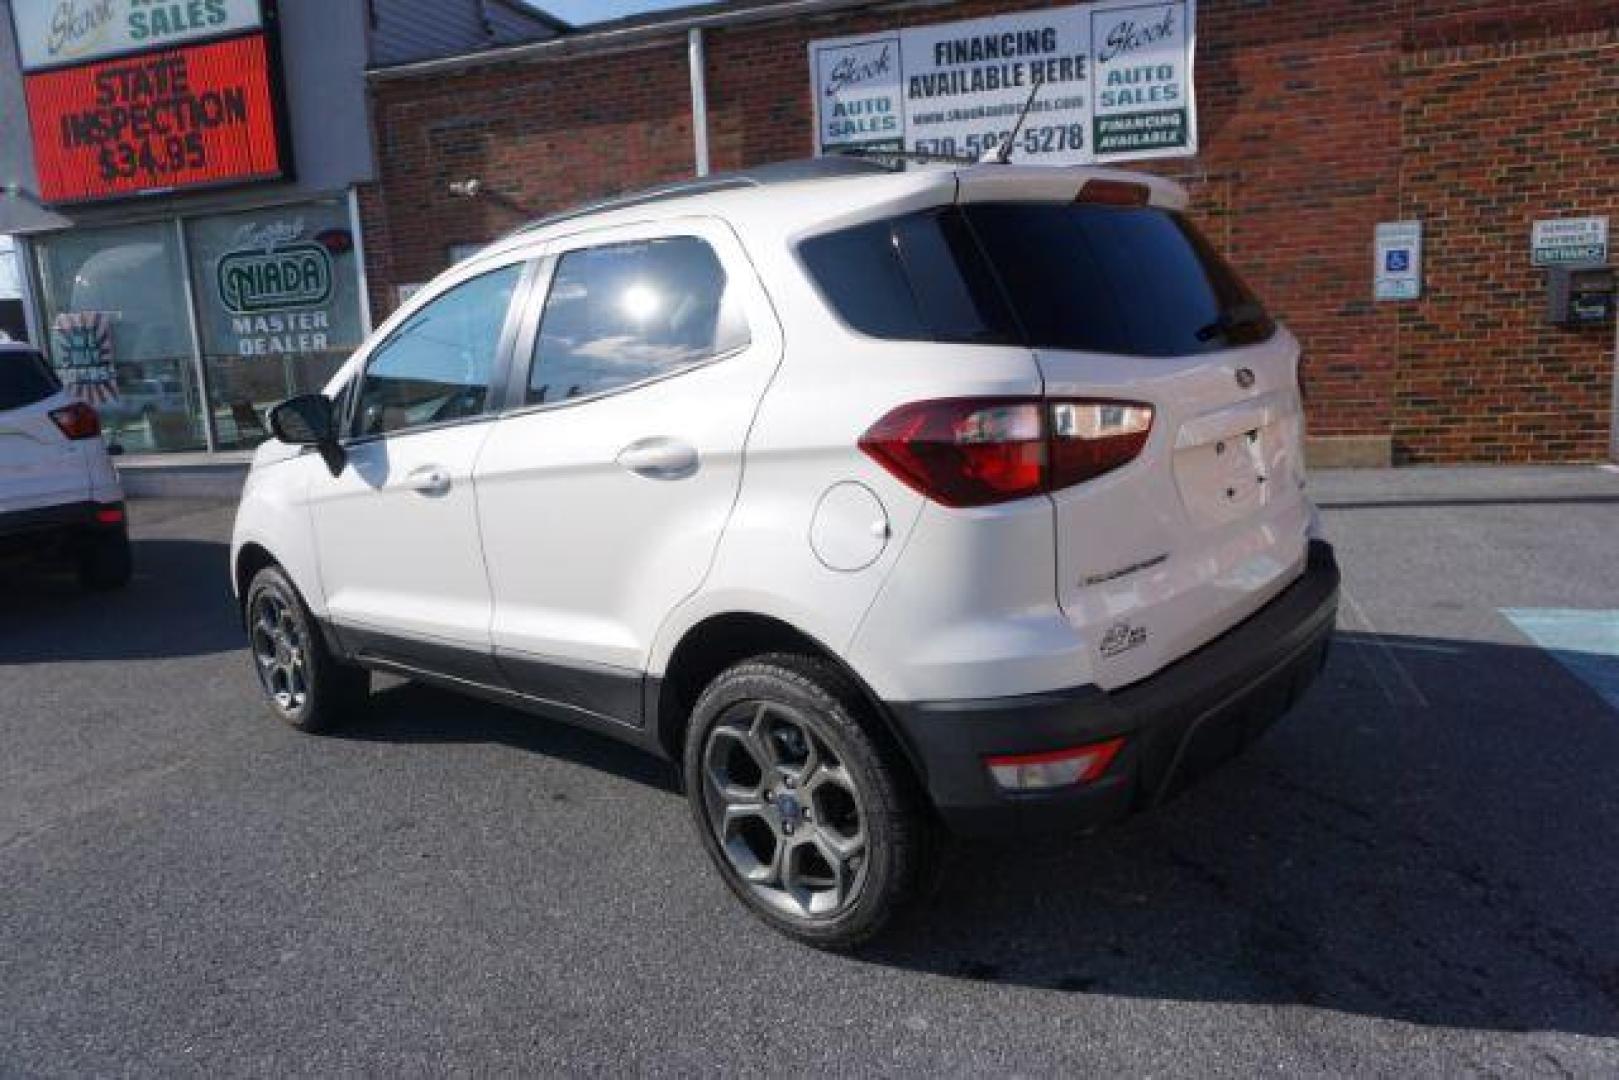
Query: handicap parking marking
{"x": 1584, "y": 642}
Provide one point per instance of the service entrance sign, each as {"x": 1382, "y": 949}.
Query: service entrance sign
{"x": 1570, "y": 242}
{"x": 1110, "y": 81}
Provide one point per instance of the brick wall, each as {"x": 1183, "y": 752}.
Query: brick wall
{"x": 1318, "y": 119}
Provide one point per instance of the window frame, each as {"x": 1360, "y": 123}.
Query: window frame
{"x": 499, "y": 373}
{"x": 523, "y": 358}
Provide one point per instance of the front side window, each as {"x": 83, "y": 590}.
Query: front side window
{"x": 437, "y": 367}
{"x": 624, "y": 313}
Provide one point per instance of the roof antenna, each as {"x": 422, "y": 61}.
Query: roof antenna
{"x": 1002, "y": 154}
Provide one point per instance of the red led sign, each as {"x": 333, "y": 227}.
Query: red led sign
{"x": 176, "y": 118}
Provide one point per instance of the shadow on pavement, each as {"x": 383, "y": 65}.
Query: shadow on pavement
{"x": 1430, "y": 839}
{"x": 1420, "y": 842}
{"x": 412, "y": 713}
{"x": 178, "y": 604}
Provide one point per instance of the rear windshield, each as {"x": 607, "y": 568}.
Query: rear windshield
{"x": 1138, "y": 281}
{"x": 25, "y": 378}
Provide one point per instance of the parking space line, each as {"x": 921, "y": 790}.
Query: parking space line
{"x": 1391, "y": 676}
{"x": 1586, "y": 642}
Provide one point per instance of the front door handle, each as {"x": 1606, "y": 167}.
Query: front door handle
{"x": 659, "y": 459}
{"x": 429, "y": 480}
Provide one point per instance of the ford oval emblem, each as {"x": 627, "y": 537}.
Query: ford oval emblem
{"x": 1245, "y": 378}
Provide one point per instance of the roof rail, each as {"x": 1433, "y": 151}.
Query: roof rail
{"x": 781, "y": 172}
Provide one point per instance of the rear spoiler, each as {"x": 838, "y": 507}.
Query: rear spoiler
{"x": 1045, "y": 183}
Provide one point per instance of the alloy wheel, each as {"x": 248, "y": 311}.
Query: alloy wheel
{"x": 786, "y": 811}
{"x": 281, "y": 651}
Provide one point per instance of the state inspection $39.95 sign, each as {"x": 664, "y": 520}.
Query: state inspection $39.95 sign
{"x": 1114, "y": 83}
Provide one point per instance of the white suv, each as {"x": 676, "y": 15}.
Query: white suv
{"x": 882, "y": 501}
{"x": 59, "y": 497}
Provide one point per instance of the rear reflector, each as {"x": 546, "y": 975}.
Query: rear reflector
{"x": 77, "y": 421}
{"x": 109, "y": 515}
{"x": 1114, "y": 193}
{"x": 1058, "y": 768}
{"x": 966, "y": 452}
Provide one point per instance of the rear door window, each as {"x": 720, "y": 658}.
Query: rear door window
{"x": 25, "y": 378}
{"x": 621, "y": 314}
{"x": 914, "y": 278}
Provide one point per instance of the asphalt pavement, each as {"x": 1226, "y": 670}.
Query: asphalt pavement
{"x": 1415, "y": 873}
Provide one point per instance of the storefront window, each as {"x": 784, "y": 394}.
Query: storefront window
{"x": 114, "y": 304}
{"x": 278, "y": 307}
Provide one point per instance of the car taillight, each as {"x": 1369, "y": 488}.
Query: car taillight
{"x": 77, "y": 421}
{"x": 965, "y": 452}
{"x": 1092, "y": 438}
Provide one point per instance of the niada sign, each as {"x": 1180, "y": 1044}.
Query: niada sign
{"x": 53, "y": 33}
{"x": 283, "y": 279}
{"x": 1570, "y": 242}
{"x": 276, "y": 283}
{"x": 1109, "y": 81}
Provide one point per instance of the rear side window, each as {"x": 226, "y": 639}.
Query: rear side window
{"x": 620, "y": 314}
{"x": 1136, "y": 281}
{"x": 25, "y": 378}
{"x": 914, "y": 278}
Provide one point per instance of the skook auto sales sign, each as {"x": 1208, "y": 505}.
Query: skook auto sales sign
{"x": 1102, "y": 82}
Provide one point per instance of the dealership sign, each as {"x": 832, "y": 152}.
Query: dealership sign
{"x": 1101, "y": 82}
{"x": 55, "y": 33}
{"x": 276, "y": 284}
{"x": 198, "y": 105}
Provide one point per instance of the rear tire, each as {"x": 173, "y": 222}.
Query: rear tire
{"x": 304, "y": 684}
{"x": 810, "y": 817}
{"x": 105, "y": 563}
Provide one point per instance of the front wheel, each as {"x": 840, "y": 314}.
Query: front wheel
{"x": 811, "y": 821}
{"x": 304, "y": 684}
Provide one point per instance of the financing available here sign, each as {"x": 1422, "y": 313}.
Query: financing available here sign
{"x": 1108, "y": 81}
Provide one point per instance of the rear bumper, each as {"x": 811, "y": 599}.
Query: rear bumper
{"x": 53, "y": 529}
{"x": 1179, "y": 724}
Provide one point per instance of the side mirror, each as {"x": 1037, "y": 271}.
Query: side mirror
{"x": 308, "y": 420}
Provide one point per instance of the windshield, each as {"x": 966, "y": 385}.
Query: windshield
{"x": 25, "y": 378}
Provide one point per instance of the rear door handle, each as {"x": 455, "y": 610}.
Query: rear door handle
{"x": 659, "y": 459}
{"x": 429, "y": 480}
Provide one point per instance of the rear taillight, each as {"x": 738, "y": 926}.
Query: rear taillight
{"x": 1092, "y": 438}
{"x": 77, "y": 421}
{"x": 965, "y": 452}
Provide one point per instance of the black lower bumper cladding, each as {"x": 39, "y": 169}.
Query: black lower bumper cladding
{"x": 1181, "y": 723}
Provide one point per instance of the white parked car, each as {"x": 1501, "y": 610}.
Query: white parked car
{"x": 60, "y": 500}
{"x": 884, "y": 502}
